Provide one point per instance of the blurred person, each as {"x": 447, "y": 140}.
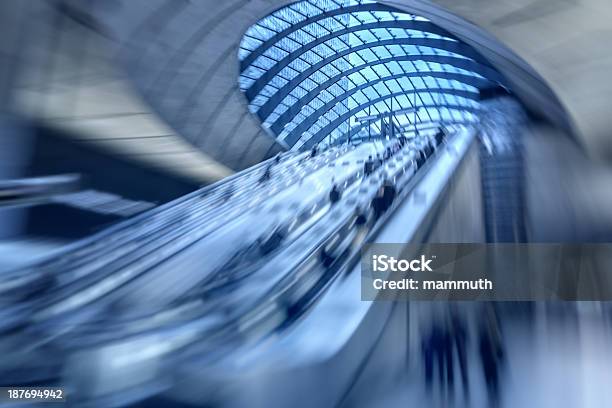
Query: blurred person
{"x": 427, "y": 147}
{"x": 389, "y": 193}
{"x": 440, "y": 136}
{"x": 327, "y": 257}
{"x": 361, "y": 226}
{"x": 460, "y": 343}
{"x": 361, "y": 218}
{"x": 492, "y": 356}
{"x": 437, "y": 354}
{"x": 368, "y": 166}
{"x": 420, "y": 159}
{"x": 448, "y": 365}
{"x": 314, "y": 151}
{"x": 383, "y": 199}
{"x": 429, "y": 351}
{"x": 377, "y": 203}
{"x": 335, "y": 194}
{"x": 272, "y": 241}
{"x": 229, "y": 192}
{"x": 267, "y": 174}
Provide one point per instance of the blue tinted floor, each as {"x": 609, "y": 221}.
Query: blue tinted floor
{"x": 559, "y": 361}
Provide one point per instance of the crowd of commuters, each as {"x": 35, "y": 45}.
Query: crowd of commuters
{"x": 450, "y": 341}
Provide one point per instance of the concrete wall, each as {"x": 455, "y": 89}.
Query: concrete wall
{"x": 569, "y": 198}
{"x": 461, "y": 217}
{"x": 15, "y": 135}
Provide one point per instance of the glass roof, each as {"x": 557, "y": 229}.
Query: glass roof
{"x": 312, "y": 69}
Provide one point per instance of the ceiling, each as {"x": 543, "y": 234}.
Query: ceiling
{"x": 182, "y": 57}
{"x": 564, "y": 42}
{"x": 314, "y": 71}
{"x": 67, "y": 78}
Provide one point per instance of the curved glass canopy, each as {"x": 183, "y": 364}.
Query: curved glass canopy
{"x": 325, "y": 71}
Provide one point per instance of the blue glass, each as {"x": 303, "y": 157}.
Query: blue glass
{"x": 278, "y": 54}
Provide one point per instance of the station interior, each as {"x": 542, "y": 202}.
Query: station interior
{"x": 186, "y": 187}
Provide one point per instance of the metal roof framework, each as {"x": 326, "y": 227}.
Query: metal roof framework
{"x": 310, "y": 69}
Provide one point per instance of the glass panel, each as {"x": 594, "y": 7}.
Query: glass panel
{"x": 378, "y": 71}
